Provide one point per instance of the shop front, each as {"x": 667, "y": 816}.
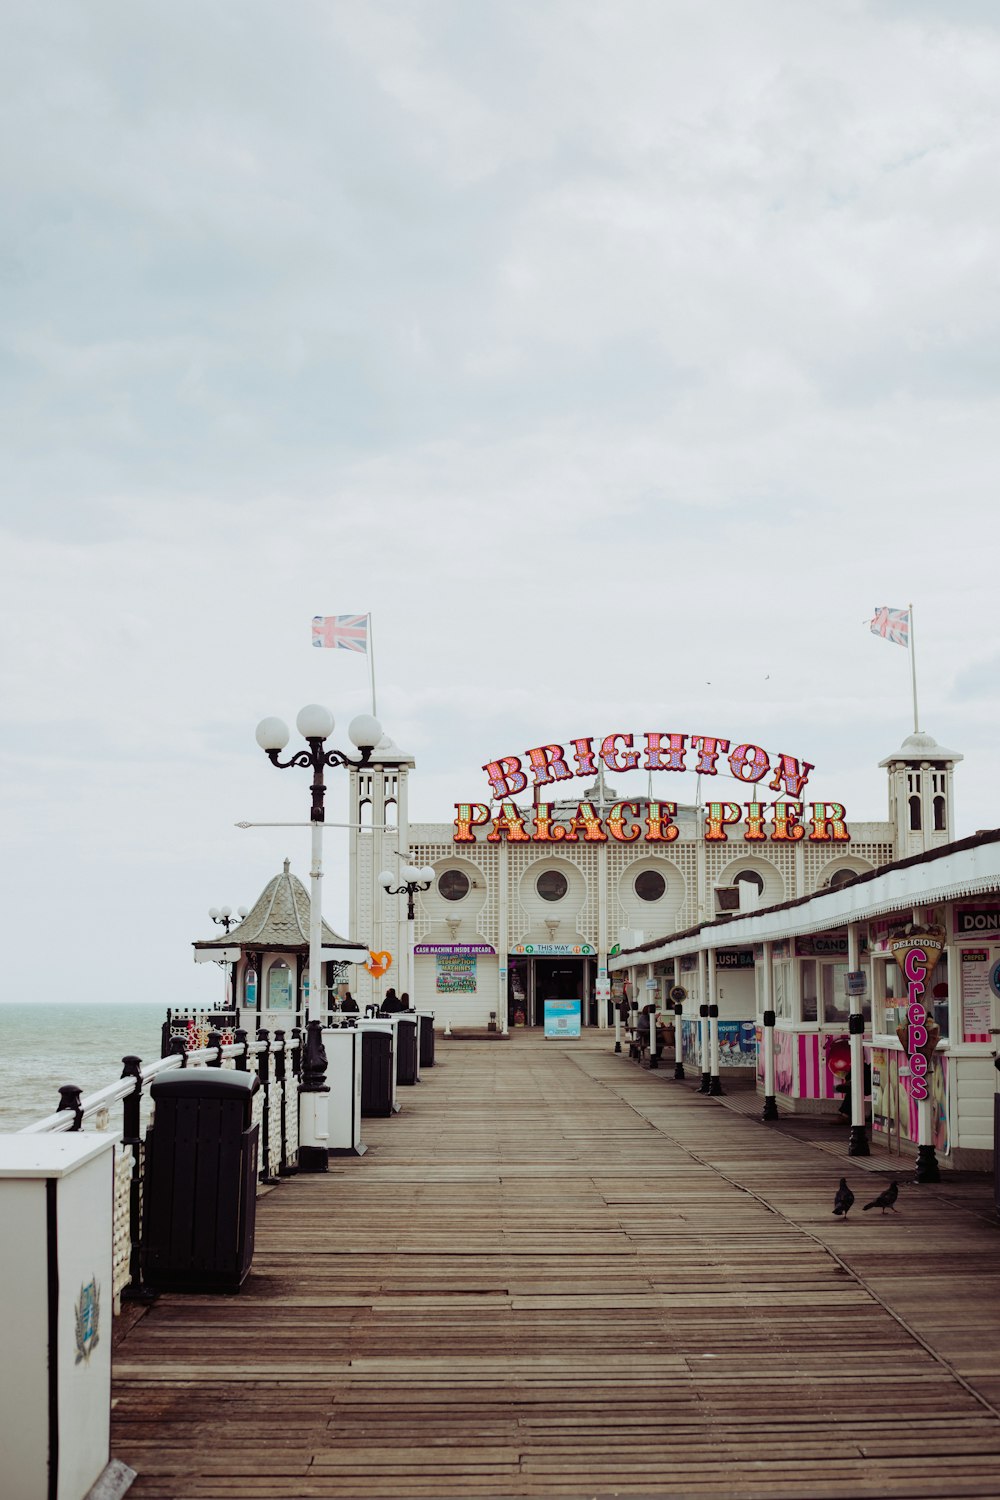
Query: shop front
{"x": 537, "y": 972}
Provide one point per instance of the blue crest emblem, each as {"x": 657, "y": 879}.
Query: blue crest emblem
{"x": 88, "y": 1318}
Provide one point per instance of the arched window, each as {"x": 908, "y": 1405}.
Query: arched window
{"x": 391, "y": 814}
{"x": 453, "y": 884}
{"x": 649, "y": 885}
{"x": 365, "y": 815}
{"x": 752, "y": 879}
{"x": 841, "y": 878}
{"x": 939, "y": 818}
{"x": 915, "y": 814}
{"x": 279, "y": 986}
{"x": 552, "y": 885}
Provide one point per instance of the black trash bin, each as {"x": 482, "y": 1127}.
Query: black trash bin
{"x": 377, "y": 1072}
{"x": 427, "y": 1041}
{"x": 200, "y": 1189}
{"x": 406, "y": 1048}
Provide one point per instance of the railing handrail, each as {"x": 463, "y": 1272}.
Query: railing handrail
{"x": 122, "y": 1088}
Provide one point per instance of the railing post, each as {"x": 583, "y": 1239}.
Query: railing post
{"x": 178, "y": 1048}
{"x": 297, "y": 1052}
{"x": 242, "y": 1039}
{"x": 215, "y": 1040}
{"x": 70, "y": 1097}
{"x": 281, "y": 1075}
{"x": 264, "y": 1074}
{"x": 136, "y": 1290}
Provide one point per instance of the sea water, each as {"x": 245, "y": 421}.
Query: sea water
{"x": 44, "y": 1046}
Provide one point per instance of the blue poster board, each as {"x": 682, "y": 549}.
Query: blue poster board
{"x": 562, "y": 1017}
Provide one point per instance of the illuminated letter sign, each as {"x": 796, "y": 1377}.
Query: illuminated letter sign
{"x": 781, "y": 821}
{"x": 548, "y": 763}
{"x": 505, "y": 776}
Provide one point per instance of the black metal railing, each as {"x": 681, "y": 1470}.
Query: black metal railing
{"x": 278, "y": 1063}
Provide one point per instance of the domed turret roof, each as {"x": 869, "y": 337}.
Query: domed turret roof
{"x": 919, "y": 747}
{"x": 279, "y": 920}
{"x": 388, "y": 753}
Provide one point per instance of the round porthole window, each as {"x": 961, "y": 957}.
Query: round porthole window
{"x": 649, "y": 885}
{"x": 453, "y": 884}
{"x": 552, "y": 885}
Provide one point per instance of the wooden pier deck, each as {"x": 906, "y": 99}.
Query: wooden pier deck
{"x": 558, "y": 1275}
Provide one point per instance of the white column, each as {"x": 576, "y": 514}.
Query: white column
{"x": 770, "y": 1111}
{"x": 856, "y": 1026}
{"x": 715, "y": 1086}
{"x": 503, "y": 938}
{"x": 703, "y": 1035}
{"x": 314, "y": 1010}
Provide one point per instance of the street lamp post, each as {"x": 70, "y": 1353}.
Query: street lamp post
{"x": 412, "y": 880}
{"x": 316, "y": 723}
{"x": 223, "y": 917}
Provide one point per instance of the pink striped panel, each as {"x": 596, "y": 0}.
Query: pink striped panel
{"x": 815, "y": 1079}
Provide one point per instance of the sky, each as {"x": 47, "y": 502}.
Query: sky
{"x": 619, "y": 358}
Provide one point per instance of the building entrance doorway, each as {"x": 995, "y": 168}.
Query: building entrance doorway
{"x": 532, "y": 981}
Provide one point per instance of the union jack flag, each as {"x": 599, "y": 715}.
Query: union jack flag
{"x": 892, "y": 625}
{"x": 349, "y": 632}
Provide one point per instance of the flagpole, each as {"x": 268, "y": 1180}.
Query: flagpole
{"x": 913, "y": 674}
{"x": 371, "y": 662}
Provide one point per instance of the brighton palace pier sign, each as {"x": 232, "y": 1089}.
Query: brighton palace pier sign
{"x": 780, "y": 821}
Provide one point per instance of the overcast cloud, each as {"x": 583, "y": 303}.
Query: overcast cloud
{"x": 620, "y": 358}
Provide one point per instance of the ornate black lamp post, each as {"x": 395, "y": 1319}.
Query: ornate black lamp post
{"x": 223, "y": 917}
{"x": 411, "y": 881}
{"x": 316, "y": 723}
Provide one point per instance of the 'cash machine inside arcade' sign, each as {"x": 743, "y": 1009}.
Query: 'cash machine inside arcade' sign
{"x": 779, "y": 821}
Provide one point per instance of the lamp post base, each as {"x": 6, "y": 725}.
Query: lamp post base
{"x": 654, "y": 1061}
{"x": 927, "y": 1165}
{"x": 314, "y": 1130}
{"x": 858, "y": 1144}
{"x": 715, "y": 1086}
{"x": 705, "y": 1085}
{"x": 314, "y": 1159}
{"x": 770, "y": 1110}
{"x": 618, "y": 1046}
{"x": 678, "y": 1070}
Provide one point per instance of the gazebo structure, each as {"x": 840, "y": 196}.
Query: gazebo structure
{"x": 268, "y": 957}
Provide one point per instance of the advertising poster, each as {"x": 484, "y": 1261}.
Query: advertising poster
{"x": 784, "y": 1061}
{"x": 456, "y": 974}
{"x": 562, "y": 1017}
{"x": 894, "y": 1113}
{"x": 737, "y": 1044}
{"x": 977, "y": 1003}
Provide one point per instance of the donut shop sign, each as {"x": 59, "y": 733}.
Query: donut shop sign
{"x": 780, "y": 821}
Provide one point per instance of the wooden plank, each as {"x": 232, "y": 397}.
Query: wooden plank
{"x": 554, "y": 1274}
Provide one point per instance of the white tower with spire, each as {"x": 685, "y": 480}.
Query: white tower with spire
{"x": 379, "y": 841}
{"x": 921, "y": 800}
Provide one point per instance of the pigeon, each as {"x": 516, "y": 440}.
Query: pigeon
{"x": 844, "y": 1201}
{"x": 885, "y": 1200}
